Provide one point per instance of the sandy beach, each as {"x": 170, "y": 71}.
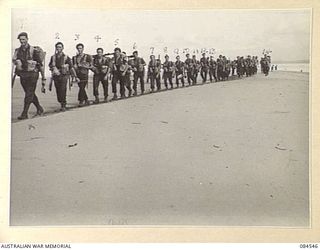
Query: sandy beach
{"x": 231, "y": 153}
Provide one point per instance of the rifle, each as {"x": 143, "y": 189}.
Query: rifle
{"x": 13, "y": 75}
{"x": 69, "y": 82}
{"x": 148, "y": 76}
{"x": 50, "y": 83}
{"x": 109, "y": 54}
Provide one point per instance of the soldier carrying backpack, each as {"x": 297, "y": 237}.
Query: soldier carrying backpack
{"x": 29, "y": 61}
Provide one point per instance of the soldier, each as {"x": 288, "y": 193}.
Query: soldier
{"x": 262, "y": 64}
{"x": 196, "y": 67}
{"x": 227, "y": 69}
{"x": 101, "y": 69}
{"x": 204, "y": 67}
{"x": 220, "y": 69}
{"x": 212, "y": 69}
{"x": 168, "y": 69}
{"x": 82, "y": 63}
{"x": 268, "y": 64}
{"x": 248, "y": 66}
{"x": 154, "y": 68}
{"x": 265, "y": 64}
{"x": 61, "y": 67}
{"x": 29, "y": 61}
{"x": 117, "y": 73}
{"x": 127, "y": 73}
{"x": 189, "y": 68}
{"x": 238, "y": 63}
{"x": 138, "y": 72}
{"x": 179, "y": 70}
{"x": 233, "y": 67}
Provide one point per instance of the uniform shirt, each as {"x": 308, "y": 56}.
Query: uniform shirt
{"x": 167, "y": 66}
{"x": 154, "y": 66}
{"x": 59, "y": 61}
{"x": 220, "y": 65}
{"x": 179, "y": 66}
{"x": 189, "y": 63}
{"x": 212, "y": 64}
{"x": 118, "y": 63}
{"x": 204, "y": 62}
{"x": 126, "y": 67}
{"x": 82, "y": 60}
{"x": 98, "y": 63}
{"x": 138, "y": 63}
{"x": 24, "y": 54}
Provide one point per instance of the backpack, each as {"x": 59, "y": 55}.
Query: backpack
{"x": 37, "y": 53}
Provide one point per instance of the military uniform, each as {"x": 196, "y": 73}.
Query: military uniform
{"x": 127, "y": 79}
{"x": 119, "y": 68}
{"x": 196, "y": 67}
{"x": 220, "y": 69}
{"x": 61, "y": 67}
{"x": 138, "y": 73}
{"x": 190, "y": 70}
{"x": 227, "y": 69}
{"x": 29, "y": 74}
{"x": 168, "y": 68}
{"x": 100, "y": 69}
{"x": 212, "y": 70}
{"x": 179, "y": 66}
{"x": 154, "y": 68}
{"x": 204, "y": 68}
{"x": 82, "y": 63}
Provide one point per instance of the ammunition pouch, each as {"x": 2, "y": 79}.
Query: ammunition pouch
{"x": 55, "y": 71}
{"x": 31, "y": 66}
{"x": 65, "y": 69}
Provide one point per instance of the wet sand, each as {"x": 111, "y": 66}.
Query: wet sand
{"x": 224, "y": 154}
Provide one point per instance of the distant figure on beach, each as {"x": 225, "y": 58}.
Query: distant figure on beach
{"x": 204, "y": 67}
{"x": 265, "y": 64}
{"x": 179, "y": 70}
{"x": 189, "y": 68}
{"x": 212, "y": 69}
{"x": 28, "y": 61}
{"x": 154, "y": 67}
{"x": 272, "y": 67}
{"x": 196, "y": 68}
{"x": 276, "y": 67}
{"x": 168, "y": 68}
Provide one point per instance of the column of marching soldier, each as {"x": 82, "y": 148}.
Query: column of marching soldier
{"x": 118, "y": 69}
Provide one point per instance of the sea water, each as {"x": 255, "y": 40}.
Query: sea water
{"x": 297, "y": 67}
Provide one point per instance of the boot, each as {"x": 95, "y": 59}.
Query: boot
{"x": 40, "y": 110}
{"x": 96, "y": 101}
{"x": 114, "y": 97}
{"x": 134, "y": 93}
{"x": 86, "y": 102}
{"x": 63, "y": 107}
{"x": 23, "y": 116}
{"x": 106, "y": 98}
{"x": 81, "y": 103}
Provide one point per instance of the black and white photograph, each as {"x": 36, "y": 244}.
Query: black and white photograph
{"x": 160, "y": 117}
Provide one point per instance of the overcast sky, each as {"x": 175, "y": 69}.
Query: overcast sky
{"x": 228, "y": 32}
